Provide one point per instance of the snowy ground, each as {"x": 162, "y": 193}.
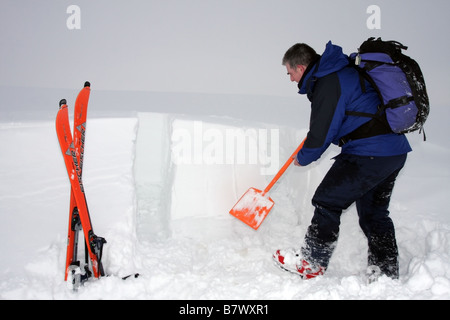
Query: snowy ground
{"x": 168, "y": 219}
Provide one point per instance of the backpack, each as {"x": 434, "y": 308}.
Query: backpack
{"x": 400, "y": 85}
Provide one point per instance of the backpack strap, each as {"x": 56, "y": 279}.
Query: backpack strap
{"x": 378, "y": 125}
{"x": 400, "y": 101}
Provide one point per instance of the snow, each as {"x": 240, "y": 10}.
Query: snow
{"x": 159, "y": 187}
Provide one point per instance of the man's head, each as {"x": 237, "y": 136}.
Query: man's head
{"x": 297, "y": 59}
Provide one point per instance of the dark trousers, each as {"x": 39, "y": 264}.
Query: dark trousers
{"x": 369, "y": 182}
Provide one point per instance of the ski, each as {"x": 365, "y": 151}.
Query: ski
{"x": 79, "y": 130}
{"x": 72, "y": 149}
{"x": 79, "y": 214}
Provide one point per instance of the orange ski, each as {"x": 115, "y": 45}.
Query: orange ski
{"x": 79, "y": 131}
{"x": 79, "y": 213}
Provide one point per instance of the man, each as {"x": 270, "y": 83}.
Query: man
{"x": 364, "y": 173}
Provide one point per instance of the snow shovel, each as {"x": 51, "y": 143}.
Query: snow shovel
{"x": 254, "y": 206}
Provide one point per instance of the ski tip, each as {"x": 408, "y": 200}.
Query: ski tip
{"x": 87, "y": 84}
{"x": 62, "y": 102}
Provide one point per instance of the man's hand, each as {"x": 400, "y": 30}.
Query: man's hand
{"x": 296, "y": 162}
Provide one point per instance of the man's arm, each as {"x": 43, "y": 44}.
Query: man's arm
{"x": 323, "y": 125}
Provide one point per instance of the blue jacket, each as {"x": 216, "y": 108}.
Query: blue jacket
{"x": 334, "y": 88}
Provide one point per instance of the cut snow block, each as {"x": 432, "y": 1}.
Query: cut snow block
{"x": 152, "y": 175}
{"x": 214, "y": 161}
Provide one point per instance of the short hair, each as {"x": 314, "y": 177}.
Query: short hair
{"x": 299, "y": 54}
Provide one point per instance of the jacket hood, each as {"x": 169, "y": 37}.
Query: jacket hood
{"x": 332, "y": 60}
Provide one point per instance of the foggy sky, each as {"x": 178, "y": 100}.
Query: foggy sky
{"x": 211, "y": 46}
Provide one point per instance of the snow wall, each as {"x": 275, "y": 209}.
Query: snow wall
{"x": 188, "y": 167}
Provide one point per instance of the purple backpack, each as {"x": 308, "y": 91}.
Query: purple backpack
{"x": 399, "y": 82}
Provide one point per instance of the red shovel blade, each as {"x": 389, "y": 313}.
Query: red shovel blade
{"x": 252, "y": 208}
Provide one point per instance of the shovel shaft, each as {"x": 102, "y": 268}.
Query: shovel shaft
{"x": 283, "y": 168}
